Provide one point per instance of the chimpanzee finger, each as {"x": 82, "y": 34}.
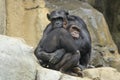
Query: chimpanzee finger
{"x": 54, "y": 60}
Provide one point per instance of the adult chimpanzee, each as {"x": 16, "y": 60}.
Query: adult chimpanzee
{"x": 60, "y": 38}
{"x": 56, "y": 17}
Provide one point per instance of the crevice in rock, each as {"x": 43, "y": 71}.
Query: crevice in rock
{"x": 36, "y": 7}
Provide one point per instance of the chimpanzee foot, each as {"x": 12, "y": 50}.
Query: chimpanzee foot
{"x": 82, "y": 67}
{"x": 72, "y": 74}
{"x": 56, "y": 56}
{"x": 45, "y": 56}
{"x": 78, "y": 71}
{"x": 90, "y": 66}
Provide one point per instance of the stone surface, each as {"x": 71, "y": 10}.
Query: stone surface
{"x": 47, "y": 74}
{"x": 16, "y": 60}
{"x": 26, "y": 19}
{"x": 105, "y": 73}
{"x": 111, "y": 11}
{"x": 2, "y": 17}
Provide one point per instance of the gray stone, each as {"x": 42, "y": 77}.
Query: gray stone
{"x": 16, "y": 60}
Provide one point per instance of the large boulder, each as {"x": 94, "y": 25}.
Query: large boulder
{"x": 16, "y": 60}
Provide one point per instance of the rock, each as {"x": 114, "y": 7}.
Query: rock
{"x": 105, "y": 73}
{"x": 91, "y": 2}
{"x": 47, "y": 74}
{"x": 26, "y": 19}
{"x": 111, "y": 10}
{"x": 16, "y": 60}
{"x": 2, "y": 17}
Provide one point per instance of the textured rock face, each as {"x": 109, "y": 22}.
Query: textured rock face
{"x": 46, "y": 74}
{"x": 16, "y": 60}
{"x": 2, "y": 17}
{"x": 26, "y": 19}
{"x": 105, "y": 73}
{"x": 111, "y": 11}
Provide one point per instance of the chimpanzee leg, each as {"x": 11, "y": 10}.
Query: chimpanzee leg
{"x": 84, "y": 60}
{"x": 56, "y": 57}
{"x": 71, "y": 63}
{"x": 68, "y": 62}
{"x": 65, "y": 58}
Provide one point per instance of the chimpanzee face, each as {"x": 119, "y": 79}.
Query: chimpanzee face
{"x": 57, "y": 22}
{"x": 74, "y": 31}
{"x": 58, "y": 18}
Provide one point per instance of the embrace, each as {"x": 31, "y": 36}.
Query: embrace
{"x": 65, "y": 45}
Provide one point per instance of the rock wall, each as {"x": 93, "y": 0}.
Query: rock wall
{"x": 2, "y": 17}
{"x": 111, "y": 11}
{"x": 26, "y": 19}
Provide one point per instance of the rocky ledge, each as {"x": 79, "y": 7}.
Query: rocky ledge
{"x": 17, "y": 62}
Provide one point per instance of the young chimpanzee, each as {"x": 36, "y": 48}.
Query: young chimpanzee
{"x": 60, "y": 38}
{"x": 74, "y": 30}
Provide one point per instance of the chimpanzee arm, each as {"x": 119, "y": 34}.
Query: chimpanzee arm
{"x": 46, "y": 32}
{"x": 47, "y": 29}
{"x": 67, "y": 43}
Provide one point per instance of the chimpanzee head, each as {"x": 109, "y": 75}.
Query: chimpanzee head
{"x": 58, "y": 18}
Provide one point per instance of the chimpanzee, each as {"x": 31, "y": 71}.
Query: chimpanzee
{"x": 83, "y": 42}
{"x": 60, "y": 38}
{"x": 60, "y": 15}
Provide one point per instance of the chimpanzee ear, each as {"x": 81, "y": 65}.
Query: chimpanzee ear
{"x": 48, "y": 16}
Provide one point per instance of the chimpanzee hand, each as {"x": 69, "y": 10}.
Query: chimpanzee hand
{"x": 56, "y": 57}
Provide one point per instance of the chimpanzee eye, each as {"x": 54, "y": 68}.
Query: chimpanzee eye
{"x": 60, "y": 18}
